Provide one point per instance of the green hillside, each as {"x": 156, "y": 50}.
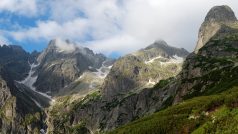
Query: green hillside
{"x": 205, "y": 114}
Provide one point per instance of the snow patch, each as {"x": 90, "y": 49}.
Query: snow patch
{"x": 103, "y": 71}
{"x": 92, "y": 85}
{"x": 42, "y": 131}
{"x": 63, "y": 46}
{"x": 152, "y": 60}
{"x": 151, "y": 82}
{"x": 174, "y": 60}
{"x": 31, "y": 79}
{"x": 177, "y": 59}
{"x": 51, "y": 65}
{"x": 38, "y": 104}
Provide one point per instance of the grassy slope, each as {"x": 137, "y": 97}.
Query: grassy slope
{"x": 206, "y": 114}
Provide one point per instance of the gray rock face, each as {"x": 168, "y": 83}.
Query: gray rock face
{"x": 16, "y": 105}
{"x": 216, "y": 17}
{"x": 143, "y": 68}
{"x": 4, "y": 92}
{"x": 220, "y": 14}
{"x": 214, "y": 65}
{"x": 62, "y": 63}
{"x": 99, "y": 115}
{"x": 163, "y": 49}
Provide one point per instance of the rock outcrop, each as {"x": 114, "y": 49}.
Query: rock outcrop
{"x": 214, "y": 64}
{"x": 214, "y": 21}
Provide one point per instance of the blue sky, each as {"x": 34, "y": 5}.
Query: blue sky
{"x": 13, "y": 22}
{"x": 112, "y": 27}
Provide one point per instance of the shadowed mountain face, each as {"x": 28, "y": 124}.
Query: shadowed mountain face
{"x": 14, "y": 62}
{"x": 62, "y": 63}
{"x": 16, "y": 104}
{"x": 214, "y": 21}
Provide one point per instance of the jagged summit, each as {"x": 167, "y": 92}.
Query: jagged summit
{"x": 214, "y": 21}
{"x": 62, "y": 62}
{"x": 221, "y": 14}
{"x": 158, "y": 44}
{"x": 162, "y": 47}
{"x": 60, "y": 45}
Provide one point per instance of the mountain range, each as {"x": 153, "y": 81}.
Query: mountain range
{"x": 69, "y": 89}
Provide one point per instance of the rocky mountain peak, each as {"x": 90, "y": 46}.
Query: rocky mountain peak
{"x": 60, "y": 45}
{"x": 142, "y": 69}
{"x": 158, "y": 44}
{"x": 62, "y": 62}
{"x": 163, "y": 49}
{"x": 216, "y": 18}
{"x": 220, "y": 14}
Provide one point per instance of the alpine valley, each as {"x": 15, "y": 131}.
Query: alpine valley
{"x": 160, "y": 89}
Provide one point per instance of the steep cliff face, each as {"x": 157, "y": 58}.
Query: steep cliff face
{"x": 214, "y": 64}
{"x": 143, "y": 69}
{"x": 14, "y": 62}
{"x": 5, "y": 92}
{"x": 95, "y": 114}
{"x": 216, "y": 17}
{"x": 19, "y": 113}
{"x": 10, "y": 120}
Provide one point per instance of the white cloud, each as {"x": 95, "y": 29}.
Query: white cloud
{"x": 51, "y": 29}
{"x": 4, "y": 41}
{"x": 22, "y": 7}
{"x": 123, "y": 25}
{"x": 122, "y": 43}
{"x": 64, "y": 46}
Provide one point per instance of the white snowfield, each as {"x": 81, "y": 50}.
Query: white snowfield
{"x": 177, "y": 59}
{"x": 31, "y": 79}
{"x": 152, "y": 60}
{"x": 174, "y": 59}
{"x": 103, "y": 71}
{"x": 152, "y": 82}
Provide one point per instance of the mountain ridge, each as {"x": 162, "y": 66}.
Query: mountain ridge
{"x": 158, "y": 89}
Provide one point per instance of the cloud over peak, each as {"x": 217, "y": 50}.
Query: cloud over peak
{"x": 21, "y": 7}
{"x": 113, "y": 25}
